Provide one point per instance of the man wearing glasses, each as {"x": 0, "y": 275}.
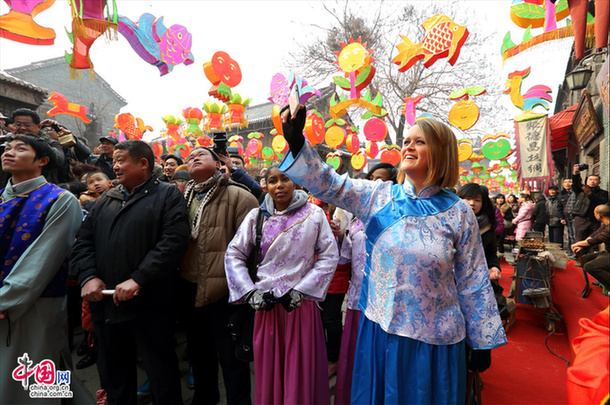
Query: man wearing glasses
{"x": 27, "y": 121}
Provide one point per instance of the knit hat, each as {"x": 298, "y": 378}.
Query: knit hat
{"x": 181, "y": 175}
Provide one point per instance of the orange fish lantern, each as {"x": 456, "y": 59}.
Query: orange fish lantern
{"x": 236, "y": 108}
{"x": 193, "y": 117}
{"x": 224, "y": 73}
{"x": 215, "y": 120}
{"x": 62, "y": 106}
{"x": 314, "y": 128}
{"x": 443, "y": 38}
{"x": 334, "y": 159}
{"x": 172, "y": 123}
{"x": 390, "y": 154}
{"x": 358, "y": 160}
{"x": 132, "y": 127}
{"x": 465, "y": 113}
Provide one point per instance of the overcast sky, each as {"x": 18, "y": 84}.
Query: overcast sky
{"x": 257, "y": 34}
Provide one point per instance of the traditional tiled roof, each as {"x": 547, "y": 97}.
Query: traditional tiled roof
{"x": 7, "y": 77}
{"x": 44, "y": 64}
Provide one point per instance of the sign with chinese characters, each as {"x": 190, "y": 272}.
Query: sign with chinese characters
{"x": 48, "y": 381}
{"x": 533, "y": 149}
{"x": 585, "y": 123}
{"x": 603, "y": 83}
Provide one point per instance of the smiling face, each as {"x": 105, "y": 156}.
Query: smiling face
{"x": 227, "y": 70}
{"x": 107, "y": 148}
{"x": 170, "y": 167}
{"x": 280, "y": 188}
{"x": 414, "y": 156}
{"x": 352, "y": 57}
{"x": 201, "y": 164}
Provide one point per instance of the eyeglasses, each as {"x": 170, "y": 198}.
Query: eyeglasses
{"x": 23, "y": 124}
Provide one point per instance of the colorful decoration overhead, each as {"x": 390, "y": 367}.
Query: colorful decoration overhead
{"x": 314, "y": 127}
{"x": 408, "y": 108}
{"x": 390, "y": 154}
{"x": 132, "y": 127}
{"x": 172, "y": 122}
{"x": 334, "y": 159}
{"x": 254, "y": 146}
{"x": 236, "y": 111}
{"x": 156, "y": 44}
{"x": 215, "y": 120}
{"x": 372, "y": 149}
{"x": 496, "y": 146}
{"x": 538, "y": 95}
{"x": 465, "y": 113}
{"x": 355, "y": 60}
{"x": 88, "y": 24}
{"x": 464, "y": 149}
{"x": 358, "y": 160}
{"x": 235, "y": 141}
{"x": 375, "y": 130}
{"x": 224, "y": 73}
{"x": 352, "y": 142}
{"x": 63, "y": 106}
{"x": 280, "y": 89}
{"x": 18, "y": 24}
{"x": 335, "y": 136}
{"x": 532, "y": 14}
{"x": 193, "y": 117}
{"x": 443, "y": 38}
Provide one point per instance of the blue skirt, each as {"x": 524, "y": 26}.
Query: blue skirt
{"x": 391, "y": 369}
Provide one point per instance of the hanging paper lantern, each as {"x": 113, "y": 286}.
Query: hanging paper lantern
{"x": 475, "y": 157}
{"x": 355, "y": 61}
{"x": 335, "y": 136}
{"x": 359, "y": 160}
{"x": 183, "y": 147}
{"x": 372, "y": 150}
{"x": 224, "y": 73}
{"x": 334, "y": 159}
{"x": 390, "y": 154}
{"x": 314, "y": 128}
{"x": 504, "y": 164}
{"x": 254, "y": 145}
{"x": 237, "y": 106}
{"x": 62, "y": 106}
{"x": 279, "y": 144}
{"x": 215, "y": 119}
{"x": 496, "y": 147}
{"x": 204, "y": 141}
{"x": 352, "y": 143}
{"x": 193, "y": 117}
{"x": 375, "y": 130}
{"x": 235, "y": 142}
{"x": 267, "y": 153}
{"x": 157, "y": 149}
{"x": 173, "y": 122}
{"x": 465, "y": 113}
{"x": 408, "y": 108}
{"x": 477, "y": 168}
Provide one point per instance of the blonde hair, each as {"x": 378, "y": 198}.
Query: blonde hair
{"x": 443, "y": 165}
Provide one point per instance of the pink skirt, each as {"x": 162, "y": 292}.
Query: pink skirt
{"x": 290, "y": 356}
{"x": 345, "y": 368}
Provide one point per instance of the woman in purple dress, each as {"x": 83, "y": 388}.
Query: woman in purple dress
{"x": 298, "y": 255}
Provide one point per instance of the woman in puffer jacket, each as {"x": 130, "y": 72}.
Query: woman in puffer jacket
{"x": 524, "y": 220}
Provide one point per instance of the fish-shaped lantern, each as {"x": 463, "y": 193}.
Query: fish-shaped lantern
{"x": 156, "y": 44}
{"x": 443, "y": 38}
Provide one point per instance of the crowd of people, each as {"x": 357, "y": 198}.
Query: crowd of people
{"x": 259, "y": 269}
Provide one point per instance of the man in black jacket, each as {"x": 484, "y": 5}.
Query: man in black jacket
{"x": 566, "y": 197}
{"x": 104, "y": 160}
{"x": 131, "y": 242}
{"x": 588, "y": 197}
